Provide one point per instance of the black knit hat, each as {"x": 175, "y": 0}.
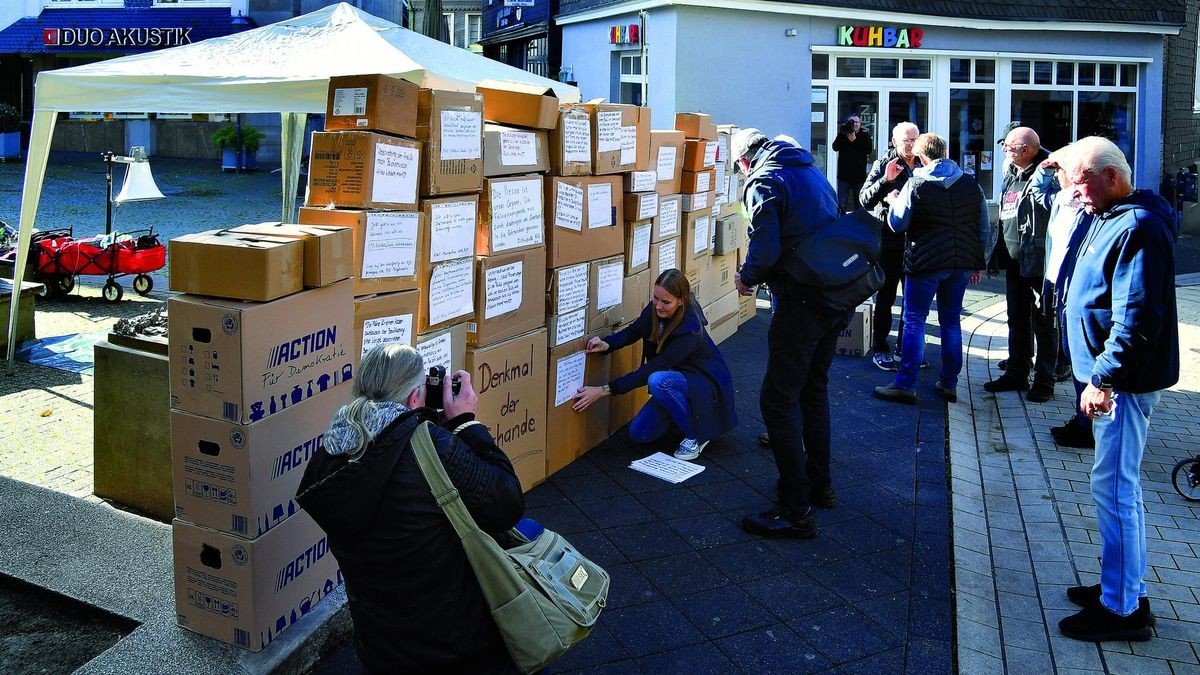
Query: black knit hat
{"x": 1004, "y": 134}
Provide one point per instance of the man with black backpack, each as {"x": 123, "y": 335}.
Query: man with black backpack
{"x": 789, "y": 200}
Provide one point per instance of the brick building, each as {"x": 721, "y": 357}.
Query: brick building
{"x": 1181, "y": 110}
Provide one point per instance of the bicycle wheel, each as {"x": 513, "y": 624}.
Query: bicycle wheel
{"x": 1186, "y": 479}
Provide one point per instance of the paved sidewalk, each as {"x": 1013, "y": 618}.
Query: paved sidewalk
{"x": 1025, "y": 528}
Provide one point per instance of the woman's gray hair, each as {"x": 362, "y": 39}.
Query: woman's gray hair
{"x": 386, "y": 374}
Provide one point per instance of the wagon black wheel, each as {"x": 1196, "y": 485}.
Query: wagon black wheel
{"x": 1186, "y": 479}
{"x": 143, "y": 284}
{"x": 113, "y": 292}
{"x": 65, "y": 284}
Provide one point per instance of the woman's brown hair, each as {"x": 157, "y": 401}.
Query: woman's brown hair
{"x": 674, "y": 282}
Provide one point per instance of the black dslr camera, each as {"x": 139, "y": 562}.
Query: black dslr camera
{"x": 434, "y": 384}
{"x": 847, "y": 128}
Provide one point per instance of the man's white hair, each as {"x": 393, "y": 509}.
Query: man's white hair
{"x": 900, "y": 130}
{"x": 1095, "y": 154}
{"x": 784, "y": 138}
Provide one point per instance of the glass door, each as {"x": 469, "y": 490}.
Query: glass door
{"x": 865, "y": 104}
{"x": 905, "y": 106}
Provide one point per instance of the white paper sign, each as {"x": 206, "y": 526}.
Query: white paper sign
{"x": 628, "y": 145}
{"x": 351, "y": 101}
{"x": 639, "y": 252}
{"x": 608, "y": 131}
{"x": 568, "y": 207}
{"x": 703, "y": 181}
{"x": 577, "y": 140}
{"x": 668, "y": 256}
{"x": 647, "y": 205}
{"x": 666, "y": 467}
{"x": 610, "y": 285}
{"x": 600, "y": 211}
{"x": 516, "y": 214}
{"x": 722, "y": 149}
{"x": 572, "y": 288}
{"x": 451, "y": 290}
{"x": 695, "y": 202}
{"x": 643, "y": 181}
{"x": 390, "y": 245}
{"x": 395, "y": 179}
{"x": 720, "y": 175}
{"x": 518, "y": 148}
{"x": 716, "y": 213}
{"x": 451, "y": 230}
{"x": 700, "y": 245}
{"x": 569, "y": 377}
{"x": 710, "y": 153}
{"x": 570, "y": 326}
{"x": 387, "y": 330}
{"x": 666, "y": 163}
{"x": 437, "y": 352}
{"x": 820, "y": 95}
{"x": 462, "y": 135}
{"x": 668, "y": 219}
{"x": 502, "y": 288}
{"x": 818, "y": 116}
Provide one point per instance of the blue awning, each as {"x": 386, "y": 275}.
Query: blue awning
{"x": 118, "y": 31}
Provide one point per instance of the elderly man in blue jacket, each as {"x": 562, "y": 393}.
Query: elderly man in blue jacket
{"x": 1123, "y": 335}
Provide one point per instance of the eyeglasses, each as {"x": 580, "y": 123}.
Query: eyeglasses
{"x": 906, "y": 141}
{"x": 1018, "y": 148}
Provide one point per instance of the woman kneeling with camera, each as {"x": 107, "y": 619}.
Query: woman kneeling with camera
{"x": 690, "y": 386}
{"x": 413, "y": 596}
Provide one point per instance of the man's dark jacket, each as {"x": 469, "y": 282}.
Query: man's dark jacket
{"x": 1030, "y": 225}
{"x": 876, "y": 187}
{"x": 944, "y": 231}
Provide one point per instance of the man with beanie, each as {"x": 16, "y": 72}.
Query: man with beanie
{"x": 789, "y": 200}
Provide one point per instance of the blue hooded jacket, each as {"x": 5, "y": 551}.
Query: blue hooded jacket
{"x": 1121, "y": 318}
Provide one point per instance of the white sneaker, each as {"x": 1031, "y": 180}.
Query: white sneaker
{"x": 689, "y": 449}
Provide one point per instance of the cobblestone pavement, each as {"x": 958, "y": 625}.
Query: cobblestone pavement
{"x": 1025, "y": 524}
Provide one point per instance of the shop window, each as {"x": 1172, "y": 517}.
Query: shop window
{"x": 1066, "y": 73}
{"x": 1087, "y": 74}
{"x": 820, "y": 66}
{"x": 960, "y": 70}
{"x": 917, "y": 69}
{"x": 1043, "y": 72}
{"x": 1129, "y": 73}
{"x": 1047, "y": 111}
{"x": 972, "y": 114}
{"x": 1109, "y": 114}
{"x": 851, "y": 67}
{"x": 985, "y": 71}
{"x": 630, "y": 78}
{"x": 535, "y": 57}
{"x": 1020, "y": 72}
{"x": 1108, "y": 75}
{"x": 819, "y": 130}
{"x": 885, "y": 68}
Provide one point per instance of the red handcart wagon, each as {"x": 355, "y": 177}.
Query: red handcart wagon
{"x": 57, "y": 258}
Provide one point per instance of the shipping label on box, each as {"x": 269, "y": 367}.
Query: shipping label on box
{"x": 241, "y": 479}
{"x": 450, "y": 123}
{"x": 510, "y": 379}
{"x": 372, "y": 103}
{"x": 389, "y": 318}
{"x": 641, "y": 181}
{"x": 641, "y": 206}
{"x": 508, "y": 296}
{"x": 363, "y": 169}
{"x": 570, "y": 367}
{"x": 606, "y": 293}
{"x": 509, "y": 151}
{"x": 571, "y": 142}
{"x": 385, "y": 246}
{"x": 584, "y": 219}
{"x": 248, "y": 592}
{"x": 637, "y": 246}
{"x": 855, "y": 340}
{"x": 511, "y": 216}
{"x": 666, "y": 224}
{"x": 243, "y": 362}
{"x": 567, "y": 288}
{"x": 448, "y": 295}
{"x": 665, "y": 255}
{"x": 239, "y": 266}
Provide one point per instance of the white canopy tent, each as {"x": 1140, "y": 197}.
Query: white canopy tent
{"x": 284, "y": 67}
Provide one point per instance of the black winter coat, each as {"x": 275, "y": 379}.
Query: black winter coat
{"x": 415, "y": 601}
{"x": 876, "y": 187}
{"x": 944, "y": 234}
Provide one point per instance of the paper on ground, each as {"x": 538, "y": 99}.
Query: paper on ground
{"x": 666, "y": 467}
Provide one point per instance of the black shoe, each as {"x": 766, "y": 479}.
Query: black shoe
{"x": 1003, "y": 365}
{"x": 764, "y": 439}
{"x": 1007, "y": 382}
{"x": 824, "y": 498}
{"x": 948, "y": 394}
{"x": 896, "y": 394}
{"x": 780, "y": 522}
{"x": 1089, "y": 596}
{"x": 1073, "y": 435}
{"x": 1063, "y": 375}
{"x": 1097, "y": 624}
{"x": 1041, "y": 391}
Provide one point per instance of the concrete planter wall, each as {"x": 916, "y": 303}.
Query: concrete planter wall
{"x": 10, "y": 145}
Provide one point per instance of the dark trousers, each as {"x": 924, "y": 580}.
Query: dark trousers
{"x": 795, "y": 397}
{"x": 892, "y": 261}
{"x": 1031, "y": 321}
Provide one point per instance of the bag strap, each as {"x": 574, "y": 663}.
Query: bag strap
{"x": 439, "y": 483}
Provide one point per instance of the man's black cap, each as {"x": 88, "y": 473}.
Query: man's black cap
{"x": 1004, "y": 134}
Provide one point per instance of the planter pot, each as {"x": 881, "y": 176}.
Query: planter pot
{"x": 229, "y": 160}
{"x": 10, "y": 145}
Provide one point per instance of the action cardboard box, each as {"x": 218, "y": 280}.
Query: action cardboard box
{"x": 666, "y": 154}
{"x": 328, "y": 250}
{"x": 450, "y": 123}
{"x": 567, "y": 288}
{"x": 510, "y": 379}
{"x": 635, "y": 295}
{"x": 508, "y": 151}
{"x": 698, "y": 181}
{"x": 241, "y": 266}
{"x": 248, "y": 592}
{"x": 510, "y": 215}
{"x": 571, "y": 142}
{"x": 696, "y": 125}
{"x": 446, "y": 347}
{"x": 855, "y": 340}
{"x": 637, "y": 246}
{"x": 747, "y": 308}
{"x": 387, "y": 318}
{"x": 665, "y": 255}
{"x": 241, "y": 478}
{"x": 522, "y": 105}
{"x": 730, "y": 234}
{"x": 641, "y": 206}
{"x": 667, "y": 223}
{"x": 606, "y": 293}
{"x": 697, "y": 234}
{"x": 570, "y": 367}
{"x": 615, "y": 137}
{"x": 508, "y": 296}
{"x": 372, "y": 103}
{"x": 699, "y": 155}
{"x": 447, "y": 295}
{"x": 385, "y": 246}
{"x": 700, "y": 201}
{"x": 584, "y": 218}
{"x": 625, "y": 407}
{"x": 244, "y": 361}
{"x": 641, "y": 181}
{"x": 362, "y": 170}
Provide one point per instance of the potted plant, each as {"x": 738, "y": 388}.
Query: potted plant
{"x": 227, "y": 139}
{"x": 10, "y": 131}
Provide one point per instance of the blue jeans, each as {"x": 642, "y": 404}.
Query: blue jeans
{"x": 1117, "y": 490}
{"x": 919, "y": 290}
{"x": 667, "y": 408}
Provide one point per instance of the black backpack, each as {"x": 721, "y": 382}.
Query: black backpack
{"x": 837, "y": 266}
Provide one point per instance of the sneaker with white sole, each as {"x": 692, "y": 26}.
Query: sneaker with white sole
{"x": 884, "y": 361}
{"x": 690, "y": 449}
